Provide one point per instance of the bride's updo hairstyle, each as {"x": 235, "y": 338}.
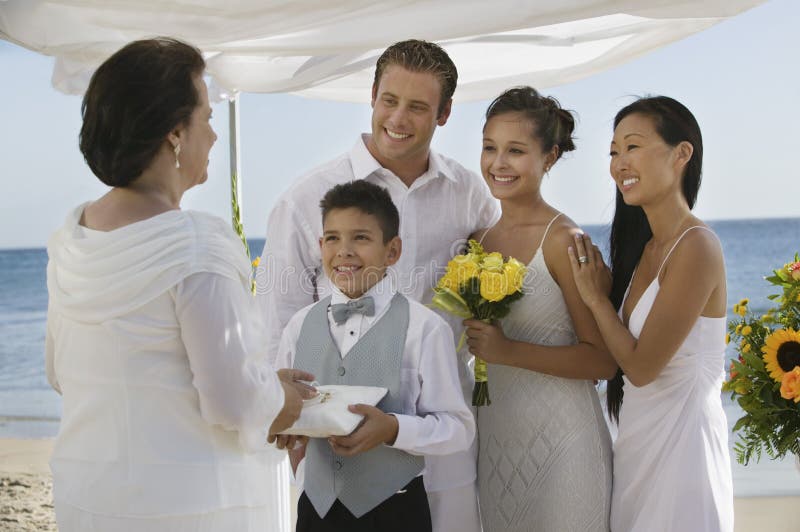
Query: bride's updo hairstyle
{"x": 630, "y": 229}
{"x": 550, "y": 124}
{"x": 135, "y": 98}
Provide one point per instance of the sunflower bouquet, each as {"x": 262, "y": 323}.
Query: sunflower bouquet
{"x": 479, "y": 285}
{"x": 765, "y": 380}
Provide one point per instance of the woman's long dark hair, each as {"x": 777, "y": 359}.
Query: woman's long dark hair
{"x": 630, "y": 229}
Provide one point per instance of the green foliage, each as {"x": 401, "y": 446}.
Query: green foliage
{"x": 771, "y": 423}
{"x": 236, "y": 221}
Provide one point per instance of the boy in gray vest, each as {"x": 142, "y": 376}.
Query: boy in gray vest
{"x": 365, "y": 333}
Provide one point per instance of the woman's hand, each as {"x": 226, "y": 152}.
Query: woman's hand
{"x": 592, "y": 276}
{"x": 294, "y": 391}
{"x": 487, "y": 341}
{"x": 299, "y": 379}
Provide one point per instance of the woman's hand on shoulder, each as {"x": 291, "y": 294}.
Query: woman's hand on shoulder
{"x": 591, "y": 274}
{"x": 583, "y": 284}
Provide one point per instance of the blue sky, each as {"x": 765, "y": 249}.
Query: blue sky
{"x": 737, "y": 77}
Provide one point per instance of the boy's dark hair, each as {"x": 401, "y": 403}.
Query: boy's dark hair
{"x": 369, "y": 199}
{"x": 135, "y": 98}
{"x": 420, "y": 56}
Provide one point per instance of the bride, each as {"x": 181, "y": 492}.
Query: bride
{"x": 544, "y": 460}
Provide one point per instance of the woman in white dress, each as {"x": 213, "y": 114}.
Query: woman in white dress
{"x": 151, "y": 337}
{"x": 665, "y": 327}
{"x": 544, "y": 461}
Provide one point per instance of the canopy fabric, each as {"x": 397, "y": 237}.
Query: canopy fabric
{"x": 327, "y": 49}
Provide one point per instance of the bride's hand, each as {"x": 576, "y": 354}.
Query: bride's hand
{"x": 486, "y": 341}
{"x": 592, "y": 276}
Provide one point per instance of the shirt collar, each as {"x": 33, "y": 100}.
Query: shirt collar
{"x": 382, "y": 292}
{"x": 364, "y": 164}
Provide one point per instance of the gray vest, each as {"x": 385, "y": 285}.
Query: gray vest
{"x": 364, "y": 481}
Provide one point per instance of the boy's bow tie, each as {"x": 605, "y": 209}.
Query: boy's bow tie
{"x": 342, "y": 311}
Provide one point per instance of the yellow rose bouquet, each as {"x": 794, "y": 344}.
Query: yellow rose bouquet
{"x": 765, "y": 380}
{"x": 479, "y": 285}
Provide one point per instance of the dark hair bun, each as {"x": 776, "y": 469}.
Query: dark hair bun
{"x": 552, "y": 124}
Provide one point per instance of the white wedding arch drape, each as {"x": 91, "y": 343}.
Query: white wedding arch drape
{"x": 327, "y": 48}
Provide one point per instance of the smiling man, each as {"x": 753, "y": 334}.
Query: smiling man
{"x": 440, "y": 204}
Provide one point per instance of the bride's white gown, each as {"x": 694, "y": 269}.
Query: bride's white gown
{"x": 672, "y": 469}
{"x": 544, "y": 461}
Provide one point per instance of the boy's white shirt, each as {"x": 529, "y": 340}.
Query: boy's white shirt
{"x": 435, "y": 418}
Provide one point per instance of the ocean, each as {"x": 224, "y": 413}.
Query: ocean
{"x": 29, "y": 408}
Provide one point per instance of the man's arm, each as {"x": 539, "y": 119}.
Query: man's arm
{"x": 286, "y": 275}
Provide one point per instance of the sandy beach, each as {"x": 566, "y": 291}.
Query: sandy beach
{"x": 26, "y": 494}
{"x": 26, "y": 500}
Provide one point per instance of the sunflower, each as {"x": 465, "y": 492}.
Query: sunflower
{"x": 781, "y": 352}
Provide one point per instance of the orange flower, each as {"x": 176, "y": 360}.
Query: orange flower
{"x": 735, "y": 373}
{"x": 790, "y": 385}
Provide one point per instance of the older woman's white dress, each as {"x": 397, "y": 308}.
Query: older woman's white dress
{"x": 672, "y": 469}
{"x": 151, "y": 342}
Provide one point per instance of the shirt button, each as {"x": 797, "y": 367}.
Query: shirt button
{"x": 352, "y": 333}
{"x": 338, "y": 465}
{"x": 341, "y": 371}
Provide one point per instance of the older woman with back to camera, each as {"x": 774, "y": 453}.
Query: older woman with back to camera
{"x": 151, "y": 337}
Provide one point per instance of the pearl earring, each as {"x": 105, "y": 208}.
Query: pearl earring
{"x": 177, "y": 151}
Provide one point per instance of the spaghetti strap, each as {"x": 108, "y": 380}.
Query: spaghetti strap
{"x": 676, "y": 244}
{"x": 484, "y": 235}
{"x": 546, "y": 230}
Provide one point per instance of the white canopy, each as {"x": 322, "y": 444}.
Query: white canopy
{"x": 328, "y": 48}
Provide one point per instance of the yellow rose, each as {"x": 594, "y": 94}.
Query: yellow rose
{"x": 747, "y": 330}
{"x": 742, "y": 310}
{"x": 738, "y": 328}
{"x": 727, "y": 338}
{"x": 449, "y": 280}
{"x": 790, "y": 385}
{"x": 492, "y": 262}
{"x": 494, "y": 286}
{"x": 746, "y": 348}
{"x": 462, "y": 268}
{"x": 515, "y": 273}
{"x": 744, "y": 302}
{"x": 736, "y": 308}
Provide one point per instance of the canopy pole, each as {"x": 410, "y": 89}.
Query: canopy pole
{"x": 235, "y": 161}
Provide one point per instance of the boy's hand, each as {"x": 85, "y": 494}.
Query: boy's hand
{"x": 376, "y": 429}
